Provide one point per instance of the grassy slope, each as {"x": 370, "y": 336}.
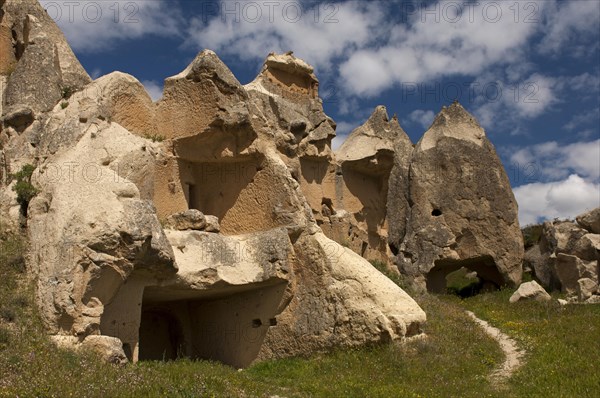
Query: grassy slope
{"x": 453, "y": 362}
{"x": 563, "y": 344}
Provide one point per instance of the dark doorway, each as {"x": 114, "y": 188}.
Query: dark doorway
{"x": 161, "y": 337}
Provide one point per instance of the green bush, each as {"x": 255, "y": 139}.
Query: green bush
{"x": 154, "y": 137}
{"x": 532, "y": 235}
{"x": 67, "y": 92}
{"x": 24, "y": 189}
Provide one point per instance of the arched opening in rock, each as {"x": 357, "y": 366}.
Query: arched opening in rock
{"x": 442, "y": 277}
{"x": 227, "y": 325}
{"x": 436, "y": 212}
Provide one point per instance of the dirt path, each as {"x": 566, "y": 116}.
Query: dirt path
{"x": 511, "y": 350}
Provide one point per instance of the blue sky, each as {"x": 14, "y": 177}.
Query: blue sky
{"x": 528, "y": 70}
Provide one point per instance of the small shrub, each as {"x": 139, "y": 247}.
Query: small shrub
{"x": 24, "y": 189}
{"x": 7, "y": 314}
{"x": 64, "y": 104}
{"x": 67, "y": 92}
{"x": 154, "y": 137}
{"x": 532, "y": 235}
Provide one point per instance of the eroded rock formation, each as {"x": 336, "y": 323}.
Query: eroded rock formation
{"x": 566, "y": 258}
{"x": 181, "y": 228}
{"x": 462, "y": 210}
{"x": 218, "y": 222}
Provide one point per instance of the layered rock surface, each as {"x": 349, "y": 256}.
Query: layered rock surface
{"x": 566, "y": 258}
{"x": 218, "y": 222}
{"x": 181, "y": 228}
{"x": 462, "y": 210}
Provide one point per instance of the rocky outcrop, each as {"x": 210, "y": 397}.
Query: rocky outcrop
{"x": 530, "y": 291}
{"x": 92, "y": 229}
{"x": 28, "y": 21}
{"x": 126, "y": 251}
{"x": 566, "y": 256}
{"x": 42, "y": 67}
{"x": 218, "y": 223}
{"x": 462, "y": 210}
{"x": 366, "y": 160}
{"x": 590, "y": 220}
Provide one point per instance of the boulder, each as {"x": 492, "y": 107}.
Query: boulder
{"x": 189, "y": 219}
{"x": 110, "y": 349}
{"x": 569, "y": 269}
{"x": 540, "y": 264}
{"x": 530, "y": 291}
{"x": 462, "y": 210}
{"x": 586, "y": 288}
{"x": 593, "y": 300}
{"x": 590, "y": 220}
{"x": 192, "y": 219}
{"x": 212, "y": 224}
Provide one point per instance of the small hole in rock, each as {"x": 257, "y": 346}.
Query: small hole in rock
{"x": 436, "y": 212}
{"x": 256, "y": 323}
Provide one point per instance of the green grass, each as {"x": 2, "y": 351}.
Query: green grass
{"x": 453, "y": 361}
{"x": 459, "y": 283}
{"x": 563, "y": 344}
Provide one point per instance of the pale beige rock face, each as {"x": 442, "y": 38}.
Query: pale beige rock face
{"x": 17, "y": 12}
{"x": 3, "y": 80}
{"x": 365, "y": 163}
{"x": 110, "y": 278}
{"x": 92, "y": 229}
{"x": 463, "y": 211}
{"x": 530, "y": 291}
{"x": 590, "y": 220}
{"x": 566, "y": 253}
{"x": 586, "y": 288}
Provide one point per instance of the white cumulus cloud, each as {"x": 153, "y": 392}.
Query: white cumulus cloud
{"x": 315, "y": 32}
{"x": 97, "y": 25}
{"x": 421, "y": 117}
{"x": 551, "y": 160}
{"x": 561, "y": 199}
{"x": 154, "y": 89}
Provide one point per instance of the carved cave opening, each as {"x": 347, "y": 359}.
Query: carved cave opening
{"x": 438, "y": 280}
{"x": 228, "y": 325}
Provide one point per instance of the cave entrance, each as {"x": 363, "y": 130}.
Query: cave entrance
{"x": 161, "y": 336}
{"x": 227, "y": 325}
{"x": 442, "y": 278}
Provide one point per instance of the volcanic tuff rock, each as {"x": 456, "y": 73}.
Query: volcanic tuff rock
{"x": 567, "y": 253}
{"x": 530, "y": 291}
{"x": 112, "y": 167}
{"x": 590, "y": 220}
{"x": 462, "y": 209}
{"x": 218, "y": 222}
